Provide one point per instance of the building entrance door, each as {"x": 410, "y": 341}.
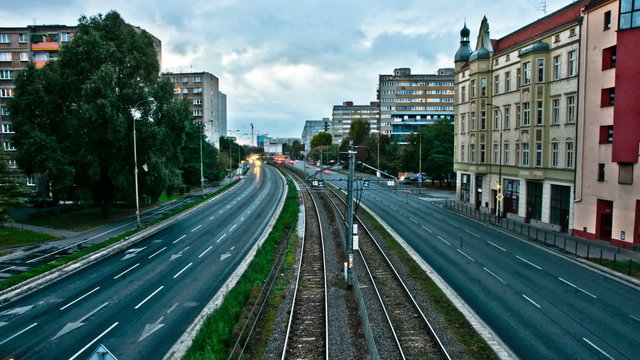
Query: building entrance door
{"x": 604, "y": 220}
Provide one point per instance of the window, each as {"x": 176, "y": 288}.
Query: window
{"x": 472, "y": 153}
{"x": 483, "y": 86}
{"x": 556, "y": 67}
{"x": 507, "y": 117}
{"x": 606, "y": 134}
{"x": 197, "y": 101}
{"x": 607, "y": 20}
{"x": 473, "y": 120}
{"x": 526, "y": 72}
{"x": 463, "y": 118}
{"x": 8, "y": 146}
{"x": 463, "y": 93}
{"x": 517, "y": 158}
{"x": 462, "y": 153}
{"x": 609, "y": 58}
{"x": 495, "y": 154}
{"x": 24, "y": 56}
{"x": 518, "y": 81}
{"x": 555, "y": 111}
{"x": 572, "y": 32}
{"x": 4, "y": 111}
{"x": 505, "y": 149}
{"x": 625, "y": 174}
{"x": 526, "y": 114}
{"x": 629, "y": 14}
{"x": 525, "y": 154}
{"x": 539, "y": 113}
{"x": 5, "y": 93}
{"x": 197, "y": 79}
{"x": 555, "y": 148}
{"x": 483, "y": 120}
{"x": 482, "y": 153}
{"x": 185, "y": 79}
{"x": 601, "y": 169}
{"x": 607, "y": 97}
{"x": 571, "y": 109}
{"x": 12, "y": 164}
{"x": 496, "y": 119}
{"x": 31, "y": 180}
{"x": 518, "y": 123}
{"x": 556, "y": 38}
{"x": 6, "y": 74}
{"x": 185, "y": 90}
{"x": 472, "y": 89}
{"x": 66, "y": 37}
{"x": 507, "y": 81}
{"x": 5, "y": 56}
{"x": 538, "y": 154}
{"x": 571, "y": 69}
{"x": 197, "y": 90}
{"x": 569, "y": 158}
{"x": 5, "y": 39}
{"x": 23, "y": 38}
{"x": 197, "y": 112}
{"x": 6, "y": 128}
{"x": 540, "y": 63}
{"x": 496, "y": 85}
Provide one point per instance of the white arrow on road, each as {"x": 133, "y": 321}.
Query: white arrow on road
{"x": 132, "y": 252}
{"x": 151, "y": 328}
{"x": 3, "y": 323}
{"x": 224, "y": 256}
{"x": 74, "y": 325}
{"x": 16, "y": 311}
{"x": 175, "y": 256}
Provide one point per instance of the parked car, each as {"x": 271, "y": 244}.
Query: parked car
{"x": 41, "y": 201}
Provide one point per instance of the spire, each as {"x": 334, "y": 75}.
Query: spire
{"x": 464, "y": 51}
{"x": 484, "y": 48}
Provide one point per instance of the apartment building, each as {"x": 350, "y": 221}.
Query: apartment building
{"x": 516, "y": 108}
{"x": 313, "y": 128}
{"x": 607, "y": 204}
{"x": 410, "y": 101}
{"x": 201, "y": 91}
{"x": 343, "y": 115}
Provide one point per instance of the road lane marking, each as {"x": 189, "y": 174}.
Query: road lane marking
{"x": 597, "y": 348}
{"x": 427, "y": 229}
{"x": 471, "y": 233}
{"x": 635, "y": 318}
{"x": 149, "y": 297}
{"x": 180, "y": 238}
{"x": 468, "y": 257}
{"x": 443, "y": 240}
{"x": 204, "y": 252}
{"x": 157, "y": 252}
{"x": 233, "y": 227}
{"x": 242, "y": 218}
{"x": 221, "y": 237}
{"x": 531, "y": 301}
{"x": 412, "y": 219}
{"x": 530, "y": 263}
{"x": 93, "y": 341}
{"x": 499, "y": 247}
{"x": 80, "y": 298}
{"x": 211, "y": 218}
{"x": 183, "y": 269}
{"x": 126, "y": 271}
{"x": 196, "y": 228}
{"x": 574, "y": 286}
{"x": 23, "y": 330}
{"x": 74, "y": 325}
{"x": 494, "y": 275}
{"x": 9, "y": 268}
{"x": 220, "y": 212}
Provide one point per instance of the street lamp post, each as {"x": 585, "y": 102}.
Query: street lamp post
{"x": 134, "y": 110}
{"x": 420, "y": 177}
{"x": 499, "y": 201}
{"x": 229, "y": 138}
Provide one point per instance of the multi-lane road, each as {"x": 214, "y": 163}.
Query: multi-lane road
{"x": 139, "y": 301}
{"x": 542, "y": 306}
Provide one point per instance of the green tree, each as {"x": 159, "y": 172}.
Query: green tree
{"x": 74, "y": 118}
{"x": 437, "y": 149}
{"x": 323, "y": 138}
{"x": 359, "y": 131}
{"x": 11, "y": 191}
{"x": 194, "y": 138}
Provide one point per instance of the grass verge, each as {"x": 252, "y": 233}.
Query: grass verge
{"x": 39, "y": 270}
{"x": 474, "y": 344}
{"x": 624, "y": 267}
{"x": 10, "y": 237}
{"x": 215, "y": 338}
{"x": 79, "y": 220}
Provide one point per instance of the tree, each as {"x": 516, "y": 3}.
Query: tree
{"x": 437, "y": 147}
{"x": 323, "y": 138}
{"x": 11, "y": 192}
{"x": 190, "y": 168}
{"x": 359, "y": 131}
{"x": 73, "y": 119}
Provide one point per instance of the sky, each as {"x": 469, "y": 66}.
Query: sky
{"x": 282, "y": 62}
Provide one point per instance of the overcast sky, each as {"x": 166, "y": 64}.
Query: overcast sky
{"x": 282, "y": 62}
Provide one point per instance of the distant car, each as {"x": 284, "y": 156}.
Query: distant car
{"x": 40, "y": 201}
{"x": 409, "y": 180}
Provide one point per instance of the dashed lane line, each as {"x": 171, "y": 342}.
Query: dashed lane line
{"x": 499, "y": 247}
{"x": 529, "y": 262}
{"x": 180, "y": 238}
{"x": 181, "y": 271}
{"x": 126, "y": 271}
{"x": 531, "y": 301}
{"x": 597, "y": 348}
{"x": 19, "y": 333}
{"x": 494, "y": 275}
{"x": 576, "y": 287}
{"x": 93, "y": 341}
{"x": 148, "y": 297}
{"x": 157, "y": 252}
{"x": 468, "y": 257}
{"x": 204, "y": 252}
{"x": 80, "y": 298}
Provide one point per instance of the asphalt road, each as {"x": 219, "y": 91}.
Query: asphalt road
{"x": 541, "y": 305}
{"x": 139, "y": 301}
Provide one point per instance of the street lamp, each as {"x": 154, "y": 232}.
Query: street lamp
{"x": 499, "y": 201}
{"x": 229, "y": 138}
{"x": 134, "y": 112}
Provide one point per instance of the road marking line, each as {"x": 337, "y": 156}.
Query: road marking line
{"x": 242, "y": 218}
{"x": 183, "y": 269}
{"x": 443, "y": 240}
{"x": 494, "y": 275}
{"x": 427, "y": 229}
{"x": 211, "y": 218}
{"x": 597, "y": 348}
{"x": 531, "y": 301}
{"x": 221, "y": 237}
{"x": 126, "y": 271}
{"x": 472, "y": 233}
{"x": 635, "y": 318}
{"x": 233, "y": 227}
{"x": 499, "y": 247}
{"x": 149, "y": 297}
{"x": 468, "y": 257}
{"x": 196, "y": 228}
{"x": 412, "y": 219}
{"x": 570, "y": 284}
{"x": 9, "y": 268}
{"x": 220, "y": 212}
{"x": 204, "y": 252}
{"x": 80, "y": 298}
{"x": 157, "y": 252}
{"x": 93, "y": 341}
{"x": 27, "y": 328}
{"x": 180, "y": 238}
{"x": 530, "y": 263}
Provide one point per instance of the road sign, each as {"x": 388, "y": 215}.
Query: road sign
{"x": 366, "y": 183}
{"x": 499, "y": 196}
{"x": 101, "y": 353}
{"x": 390, "y": 183}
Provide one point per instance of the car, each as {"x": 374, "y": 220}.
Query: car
{"x": 409, "y": 180}
{"x": 40, "y": 201}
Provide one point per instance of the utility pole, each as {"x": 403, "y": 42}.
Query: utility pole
{"x": 350, "y": 215}
{"x": 251, "y": 134}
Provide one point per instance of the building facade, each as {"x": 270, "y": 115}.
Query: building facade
{"x": 607, "y": 205}
{"x": 516, "y": 109}
{"x": 408, "y": 101}
{"x": 313, "y": 128}
{"x": 201, "y": 91}
{"x": 343, "y": 115}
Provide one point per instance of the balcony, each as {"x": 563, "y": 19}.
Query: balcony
{"x": 39, "y": 63}
{"x": 47, "y": 45}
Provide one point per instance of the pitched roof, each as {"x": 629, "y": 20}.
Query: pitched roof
{"x": 559, "y": 18}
